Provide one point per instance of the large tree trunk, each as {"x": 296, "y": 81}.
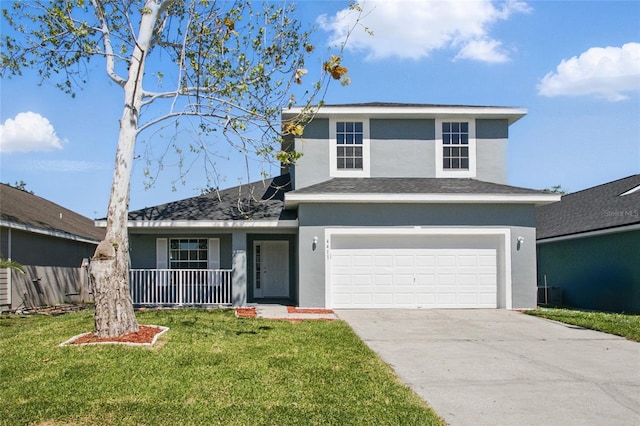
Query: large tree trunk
{"x": 109, "y": 268}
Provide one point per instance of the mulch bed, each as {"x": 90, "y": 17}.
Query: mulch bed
{"x": 146, "y": 335}
{"x": 246, "y": 313}
{"x": 296, "y": 310}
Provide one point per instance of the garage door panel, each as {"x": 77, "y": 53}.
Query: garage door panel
{"x": 423, "y": 260}
{"x": 446, "y": 260}
{"x": 413, "y": 278}
{"x": 362, "y": 261}
{"x": 383, "y": 260}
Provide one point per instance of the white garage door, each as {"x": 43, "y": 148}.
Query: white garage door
{"x": 413, "y": 278}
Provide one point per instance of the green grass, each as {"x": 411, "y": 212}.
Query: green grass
{"x": 209, "y": 368}
{"x": 624, "y": 325}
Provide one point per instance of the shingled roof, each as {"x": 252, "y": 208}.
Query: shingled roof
{"x": 413, "y": 186}
{"x": 21, "y": 209}
{"x": 602, "y": 207}
{"x": 262, "y": 200}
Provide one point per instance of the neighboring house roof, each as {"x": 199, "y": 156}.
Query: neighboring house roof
{"x": 434, "y": 190}
{"x": 603, "y": 207}
{"x": 256, "y": 201}
{"x": 23, "y": 210}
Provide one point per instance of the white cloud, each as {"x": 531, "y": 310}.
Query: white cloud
{"x": 606, "y": 72}
{"x": 484, "y": 50}
{"x": 413, "y": 29}
{"x": 28, "y": 131}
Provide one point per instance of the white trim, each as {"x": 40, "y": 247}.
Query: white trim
{"x": 206, "y": 223}
{"x": 626, "y": 228}
{"x": 293, "y": 199}
{"x": 162, "y": 253}
{"x": 456, "y": 173}
{"x": 512, "y": 114}
{"x": 631, "y": 191}
{"x": 504, "y": 250}
{"x": 49, "y": 232}
{"x": 333, "y": 146}
{"x": 213, "y": 253}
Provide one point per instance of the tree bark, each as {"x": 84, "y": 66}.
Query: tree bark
{"x": 109, "y": 268}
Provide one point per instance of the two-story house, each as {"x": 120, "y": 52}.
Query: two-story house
{"x": 391, "y": 206}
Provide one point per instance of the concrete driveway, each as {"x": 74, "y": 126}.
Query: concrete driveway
{"x": 498, "y": 367}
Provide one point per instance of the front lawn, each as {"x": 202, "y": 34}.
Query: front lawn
{"x": 624, "y": 325}
{"x": 210, "y": 368}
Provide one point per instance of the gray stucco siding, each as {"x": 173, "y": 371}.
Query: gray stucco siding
{"x": 142, "y": 248}
{"x": 398, "y": 129}
{"x": 405, "y": 158}
{"x": 523, "y": 268}
{"x": 318, "y": 128}
{"x": 492, "y": 129}
{"x": 314, "y": 219}
{"x": 372, "y": 214}
{"x": 313, "y": 166}
{"x": 598, "y": 273}
{"x": 491, "y": 158}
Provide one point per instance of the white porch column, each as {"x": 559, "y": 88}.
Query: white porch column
{"x": 239, "y": 268}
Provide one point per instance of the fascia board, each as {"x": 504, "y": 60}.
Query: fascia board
{"x": 587, "y": 234}
{"x": 292, "y": 200}
{"x": 511, "y": 113}
{"x": 251, "y": 224}
{"x": 48, "y": 232}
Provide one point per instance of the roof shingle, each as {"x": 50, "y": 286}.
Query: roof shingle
{"x": 262, "y": 200}
{"x": 412, "y": 186}
{"x": 598, "y": 208}
{"x": 22, "y": 208}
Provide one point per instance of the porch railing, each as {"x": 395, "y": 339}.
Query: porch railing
{"x": 180, "y": 286}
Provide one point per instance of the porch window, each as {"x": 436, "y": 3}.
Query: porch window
{"x": 188, "y": 253}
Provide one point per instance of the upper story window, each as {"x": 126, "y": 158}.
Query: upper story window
{"x": 349, "y": 147}
{"x": 455, "y": 148}
{"x": 455, "y": 145}
{"x": 349, "y": 141}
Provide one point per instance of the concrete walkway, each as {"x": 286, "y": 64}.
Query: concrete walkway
{"x": 498, "y": 367}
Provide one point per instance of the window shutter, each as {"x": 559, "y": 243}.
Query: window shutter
{"x": 161, "y": 253}
{"x": 214, "y": 253}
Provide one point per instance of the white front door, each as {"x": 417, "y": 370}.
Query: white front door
{"x": 271, "y": 269}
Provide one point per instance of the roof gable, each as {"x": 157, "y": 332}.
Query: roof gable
{"x": 22, "y": 209}
{"x": 601, "y": 207}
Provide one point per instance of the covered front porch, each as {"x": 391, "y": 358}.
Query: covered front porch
{"x": 213, "y": 269}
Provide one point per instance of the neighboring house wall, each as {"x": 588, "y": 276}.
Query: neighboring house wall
{"x": 519, "y": 220}
{"x": 612, "y": 283}
{"x": 5, "y": 288}
{"x": 49, "y": 285}
{"x": 401, "y": 148}
{"x": 54, "y": 273}
{"x": 30, "y": 248}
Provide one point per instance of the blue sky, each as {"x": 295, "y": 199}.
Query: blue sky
{"x": 575, "y": 65}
